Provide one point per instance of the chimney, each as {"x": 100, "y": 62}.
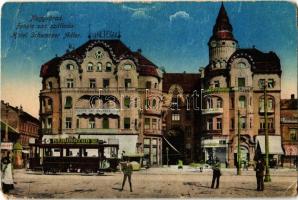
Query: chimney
{"x": 292, "y": 96}
{"x": 139, "y": 50}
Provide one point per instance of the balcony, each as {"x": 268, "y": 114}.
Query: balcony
{"x": 46, "y": 131}
{"x": 242, "y": 89}
{"x": 98, "y": 130}
{"x": 97, "y": 111}
{"x": 209, "y": 111}
{"x": 269, "y": 111}
{"x": 270, "y": 131}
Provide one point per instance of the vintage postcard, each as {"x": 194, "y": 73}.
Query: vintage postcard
{"x": 149, "y": 99}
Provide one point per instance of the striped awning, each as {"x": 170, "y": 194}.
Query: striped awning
{"x": 291, "y": 150}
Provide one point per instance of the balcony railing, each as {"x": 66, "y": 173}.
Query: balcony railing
{"x": 97, "y": 130}
{"x": 212, "y": 111}
{"x": 98, "y": 111}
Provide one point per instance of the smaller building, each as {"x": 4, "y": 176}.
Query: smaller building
{"x": 181, "y": 106}
{"x": 289, "y": 130}
{"x": 17, "y": 128}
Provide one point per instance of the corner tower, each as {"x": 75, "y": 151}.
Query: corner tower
{"x": 222, "y": 43}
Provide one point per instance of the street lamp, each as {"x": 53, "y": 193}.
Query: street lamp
{"x": 267, "y": 175}
{"x": 238, "y": 147}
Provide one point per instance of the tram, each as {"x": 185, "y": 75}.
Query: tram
{"x": 73, "y": 155}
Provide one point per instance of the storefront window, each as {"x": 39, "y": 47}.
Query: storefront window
{"x": 293, "y": 134}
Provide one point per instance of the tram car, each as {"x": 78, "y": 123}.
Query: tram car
{"x": 73, "y": 155}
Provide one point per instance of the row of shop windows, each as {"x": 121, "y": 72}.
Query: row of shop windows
{"x": 243, "y": 123}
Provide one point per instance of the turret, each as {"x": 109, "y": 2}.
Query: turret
{"x": 222, "y": 43}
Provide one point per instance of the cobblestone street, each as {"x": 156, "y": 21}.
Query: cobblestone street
{"x": 152, "y": 183}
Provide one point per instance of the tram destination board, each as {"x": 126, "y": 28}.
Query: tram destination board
{"x": 75, "y": 141}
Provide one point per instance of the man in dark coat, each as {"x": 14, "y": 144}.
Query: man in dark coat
{"x": 127, "y": 171}
{"x": 260, "y": 175}
{"x": 216, "y": 175}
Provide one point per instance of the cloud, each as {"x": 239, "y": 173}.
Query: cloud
{"x": 179, "y": 15}
{"x": 138, "y": 13}
{"x": 53, "y": 13}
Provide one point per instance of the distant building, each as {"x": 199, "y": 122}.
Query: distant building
{"x": 233, "y": 82}
{"x": 181, "y": 117}
{"x": 103, "y": 90}
{"x": 18, "y": 127}
{"x": 289, "y": 130}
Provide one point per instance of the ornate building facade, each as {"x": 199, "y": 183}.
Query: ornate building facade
{"x": 103, "y": 90}
{"x": 233, "y": 83}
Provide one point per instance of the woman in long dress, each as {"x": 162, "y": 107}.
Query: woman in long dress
{"x": 6, "y": 175}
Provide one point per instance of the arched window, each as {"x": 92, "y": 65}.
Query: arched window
{"x": 219, "y": 103}
{"x": 90, "y": 67}
{"x": 242, "y": 102}
{"x": 108, "y": 67}
{"x": 270, "y": 104}
{"x": 209, "y": 103}
{"x": 154, "y": 103}
{"x": 68, "y": 102}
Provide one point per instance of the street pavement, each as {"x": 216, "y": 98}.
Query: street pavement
{"x": 165, "y": 182}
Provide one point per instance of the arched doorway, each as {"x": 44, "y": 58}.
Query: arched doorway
{"x": 173, "y": 146}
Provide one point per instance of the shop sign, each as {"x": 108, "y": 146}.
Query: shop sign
{"x": 6, "y": 145}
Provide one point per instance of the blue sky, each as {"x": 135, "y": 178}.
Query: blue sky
{"x": 173, "y": 35}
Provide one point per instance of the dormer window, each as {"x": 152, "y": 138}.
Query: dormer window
{"x": 216, "y": 84}
{"x": 108, "y": 67}
{"x": 241, "y": 65}
{"x": 90, "y": 67}
{"x": 127, "y": 66}
{"x": 69, "y": 67}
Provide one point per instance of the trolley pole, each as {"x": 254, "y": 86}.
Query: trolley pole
{"x": 238, "y": 147}
{"x": 267, "y": 175}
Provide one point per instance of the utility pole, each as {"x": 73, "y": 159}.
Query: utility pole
{"x": 267, "y": 175}
{"x": 238, "y": 147}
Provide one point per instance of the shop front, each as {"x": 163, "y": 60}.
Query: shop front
{"x": 215, "y": 149}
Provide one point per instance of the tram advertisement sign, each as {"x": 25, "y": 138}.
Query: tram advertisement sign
{"x": 75, "y": 141}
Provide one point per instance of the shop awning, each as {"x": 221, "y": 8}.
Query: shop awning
{"x": 171, "y": 145}
{"x": 274, "y": 144}
{"x": 10, "y": 129}
{"x": 291, "y": 150}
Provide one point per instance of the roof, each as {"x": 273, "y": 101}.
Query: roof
{"x": 222, "y": 29}
{"x": 116, "y": 48}
{"x": 288, "y": 104}
{"x": 188, "y": 81}
{"x": 23, "y": 115}
{"x": 261, "y": 62}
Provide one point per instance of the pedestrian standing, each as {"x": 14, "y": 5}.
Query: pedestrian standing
{"x": 6, "y": 174}
{"x": 260, "y": 175}
{"x": 127, "y": 172}
{"x": 216, "y": 175}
